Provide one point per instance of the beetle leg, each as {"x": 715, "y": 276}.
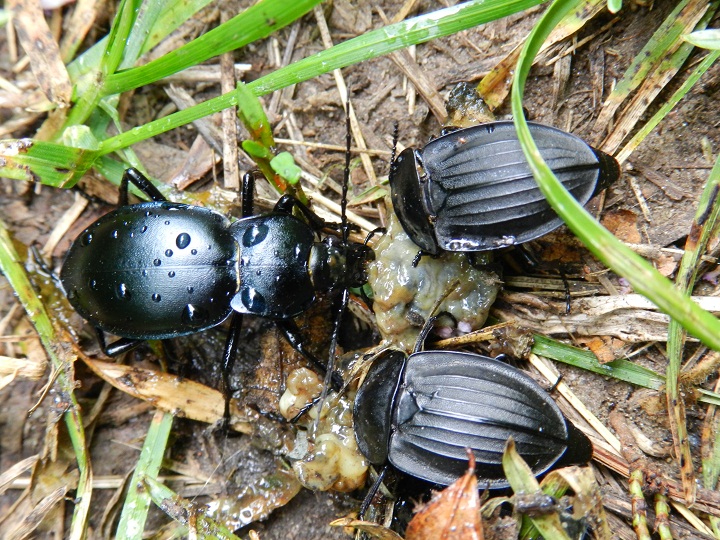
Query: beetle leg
{"x": 118, "y": 347}
{"x": 228, "y": 360}
{"x": 372, "y": 492}
{"x": 292, "y": 333}
{"x": 140, "y": 181}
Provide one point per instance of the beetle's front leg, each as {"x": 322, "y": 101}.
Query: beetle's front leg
{"x": 140, "y": 181}
{"x": 228, "y": 361}
{"x": 292, "y": 333}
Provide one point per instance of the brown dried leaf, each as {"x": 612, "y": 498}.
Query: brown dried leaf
{"x": 606, "y": 348}
{"x": 452, "y": 514}
{"x": 42, "y": 49}
{"x": 666, "y": 265}
{"x": 175, "y": 395}
{"x": 623, "y": 224}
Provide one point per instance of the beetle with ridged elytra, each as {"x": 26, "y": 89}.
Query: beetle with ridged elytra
{"x": 421, "y": 412}
{"x": 158, "y": 270}
{"x": 472, "y": 189}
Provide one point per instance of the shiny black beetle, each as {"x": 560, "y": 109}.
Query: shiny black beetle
{"x": 159, "y": 270}
{"x": 472, "y": 190}
{"x": 420, "y": 413}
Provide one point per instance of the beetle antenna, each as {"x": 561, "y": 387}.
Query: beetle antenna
{"x": 393, "y": 154}
{"x": 346, "y": 176}
{"x": 345, "y": 294}
{"x": 434, "y": 315}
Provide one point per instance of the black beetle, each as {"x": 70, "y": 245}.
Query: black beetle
{"x": 158, "y": 270}
{"x": 421, "y": 412}
{"x": 472, "y": 190}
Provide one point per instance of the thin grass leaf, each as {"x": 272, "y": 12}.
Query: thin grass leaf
{"x": 13, "y": 270}
{"x": 522, "y": 480}
{"x": 668, "y": 105}
{"x": 185, "y": 512}
{"x": 50, "y": 164}
{"x": 137, "y": 501}
{"x": 155, "y": 21}
{"x": 89, "y": 91}
{"x": 391, "y": 38}
{"x": 620, "y": 369}
{"x": 641, "y": 275}
{"x": 702, "y": 230}
{"x": 254, "y": 23}
{"x": 696, "y": 15}
{"x": 665, "y": 40}
{"x": 370, "y": 45}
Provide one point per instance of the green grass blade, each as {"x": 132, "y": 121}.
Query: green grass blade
{"x": 621, "y": 369}
{"x": 14, "y": 271}
{"x": 391, "y": 38}
{"x": 703, "y": 228}
{"x": 664, "y": 40}
{"x": 255, "y": 23}
{"x": 137, "y": 501}
{"x": 642, "y": 276}
{"x": 48, "y": 163}
{"x": 155, "y": 21}
{"x": 185, "y": 512}
{"x": 373, "y": 44}
{"x": 522, "y": 480}
{"x": 669, "y": 104}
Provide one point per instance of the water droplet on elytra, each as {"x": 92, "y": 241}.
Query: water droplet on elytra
{"x": 123, "y": 292}
{"x": 168, "y": 252}
{"x": 193, "y": 251}
{"x": 157, "y": 262}
{"x": 193, "y": 315}
{"x": 167, "y": 222}
{"x": 86, "y": 239}
{"x": 183, "y": 240}
{"x": 253, "y": 300}
{"x": 156, "y": 297}
{"x": 255, "y": 234}
{"x": 190, "y": 290}
{"x": 144, "y": 228}
{"x": 93, "y": 284}
{"x": 171, "y": 273}
{"x": 114, "y": 234}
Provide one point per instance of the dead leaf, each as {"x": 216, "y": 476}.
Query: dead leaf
{"x": 42, "y": 49}
{"x": 606, "y": 348}
{"x": 623, "y": 224}
{"x": 175, "y": 395}
{"x": 666, "y": 265}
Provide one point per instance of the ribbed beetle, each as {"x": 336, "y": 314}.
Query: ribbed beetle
{"x": 472, "y": 190}
{"x": 420, "y": 413}
{"x": 159, "y": 270}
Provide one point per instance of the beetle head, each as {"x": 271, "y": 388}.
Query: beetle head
{"x": 334, "y": 264}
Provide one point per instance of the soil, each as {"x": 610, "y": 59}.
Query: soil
{"x": 669, "y": 170}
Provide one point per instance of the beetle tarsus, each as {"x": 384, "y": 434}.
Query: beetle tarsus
{"x": 118, "y": 347}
